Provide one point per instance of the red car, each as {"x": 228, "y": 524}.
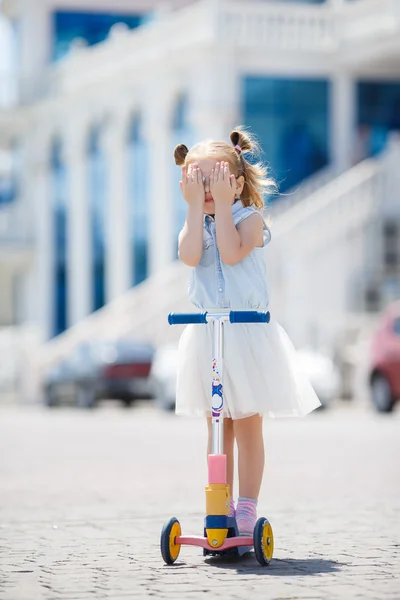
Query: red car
{"x": 385, "y": 364}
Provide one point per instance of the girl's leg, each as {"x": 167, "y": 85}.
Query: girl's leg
{"x": 229, "y": 439}
{"x": 251, "y": 458}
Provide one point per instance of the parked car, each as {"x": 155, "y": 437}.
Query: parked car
{"x": 384, "y": 376}
{"x": 163, "y": 375}
{"x": 322, "y": 373}
{"x": 319, "y": 368}
{"x": 117, "y": 369}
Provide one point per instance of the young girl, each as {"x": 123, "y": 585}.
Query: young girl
{"x": 223, "y": 240}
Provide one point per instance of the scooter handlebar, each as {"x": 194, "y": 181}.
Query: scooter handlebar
{"x": 185, "y": 318}
{"x": 249, "y": 316}
{"x": 235, "y": 316}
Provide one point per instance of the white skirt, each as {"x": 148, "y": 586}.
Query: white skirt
{"x": 261, "y": 374}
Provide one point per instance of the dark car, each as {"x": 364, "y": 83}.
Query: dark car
{"x": 117, "y": 369}
{"x": 385, "y": 361}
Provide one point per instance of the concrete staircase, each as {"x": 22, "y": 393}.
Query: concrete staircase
{"x": 324, "y": 255}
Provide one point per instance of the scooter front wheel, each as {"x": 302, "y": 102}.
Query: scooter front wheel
{"x": 169, "y": 548}
{"x": 263, "y": 541}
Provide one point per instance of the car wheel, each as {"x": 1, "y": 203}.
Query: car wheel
{"x": 85, "y": 397}
{"x": 163, "y": 400}
{"x": 381, "y": 393}
{"x": 170, "y": 406}
{"x": 50, "y": 398}
{"x": 127, "y": 402}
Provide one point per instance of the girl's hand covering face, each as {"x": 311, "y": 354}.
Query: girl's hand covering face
{"x": 192, "y": 186}
{"x": 222, "y": 184}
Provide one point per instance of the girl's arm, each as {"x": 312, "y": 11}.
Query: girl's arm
{"x": 190, "y": 242}
{"x": 191, "y": 236}
{"x": 234, "y": 244}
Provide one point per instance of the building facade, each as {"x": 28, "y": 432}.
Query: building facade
{"x": 101, "y": 92}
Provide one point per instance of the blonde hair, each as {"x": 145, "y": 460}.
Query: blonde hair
{"x": 256, "y": 180}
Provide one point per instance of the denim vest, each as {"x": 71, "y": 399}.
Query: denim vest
{"x": 242, "y": 286}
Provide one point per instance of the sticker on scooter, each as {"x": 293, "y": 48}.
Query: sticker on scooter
{"x": 217, "y": 404}
{"x": 216, "y": 391}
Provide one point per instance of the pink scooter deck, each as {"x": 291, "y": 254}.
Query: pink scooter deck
{"x": 202, "y": 542}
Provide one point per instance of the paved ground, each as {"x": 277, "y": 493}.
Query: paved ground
{"x": 83, "y": 497}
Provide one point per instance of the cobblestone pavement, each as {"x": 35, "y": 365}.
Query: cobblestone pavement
{"x": 83, "y": 496}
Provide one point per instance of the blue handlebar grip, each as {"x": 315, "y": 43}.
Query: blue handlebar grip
{"x": 185, "y": 318}
{"x": 249, "y": 316}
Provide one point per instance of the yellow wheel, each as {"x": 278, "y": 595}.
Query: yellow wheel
{"x": 263, "y": 541}
{"x": 169, "y": 548}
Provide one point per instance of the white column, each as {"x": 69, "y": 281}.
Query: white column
{"x": 118, "y": 247}
{"x": 26, "y": 175}
{"x": 7, "y": 308}
{"x": 390, "y": 194}
{"x": 159, "y": 172}
{"x": 35, "y": 44}
{"x": 45, "y": 247}
{"x": 343, "y": 121}
{"x": 79, "y": 249}
{"x": 29, "y": 289}
{"x": 215, "y": 104}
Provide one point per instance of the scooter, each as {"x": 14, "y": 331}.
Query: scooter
{"x": 221, "y": 536}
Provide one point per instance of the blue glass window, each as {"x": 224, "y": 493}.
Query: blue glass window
{"x": 181, "y": 134}
{"x": 59, "y": 195}
{"x": 97, "y": 198}
{"x": 7, "y": 190}
{"x": 290, "y": 118}
{"x": 93, "y": 27}
{"x": 138, "y": 171}
{"x": 378, "y": 104}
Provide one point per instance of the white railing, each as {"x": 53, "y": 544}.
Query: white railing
{"x": 287, "y": 28}
{"x": 18, "y": 89}
{"x": 284, "y": 26}
{"x": 138, "y": 50}
{"x": 291, "y": 27}
{"x": 301, "y": 191}
{"x": 326, "y": 250}
{"x": 319, "y": 254}
{"x": 364, "y": 21}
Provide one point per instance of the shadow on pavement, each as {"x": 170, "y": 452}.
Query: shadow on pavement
{"x": 286, "y": 567}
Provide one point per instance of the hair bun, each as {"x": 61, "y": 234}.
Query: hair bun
{"x": 180, "y": 154}
{"x": 240, "y": 137}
